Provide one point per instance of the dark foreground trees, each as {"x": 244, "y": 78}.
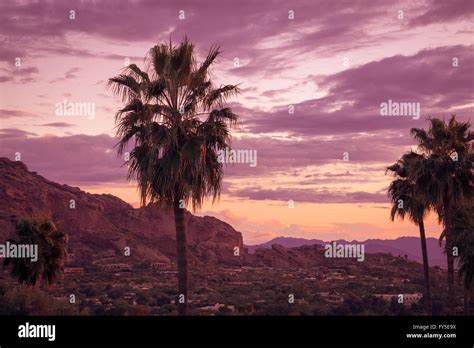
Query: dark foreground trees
{"x": 442, "y": 177}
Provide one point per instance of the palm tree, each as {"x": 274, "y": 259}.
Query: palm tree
{"x": 52, "y": 253}
{"x": 408, "y": 202}
{"x": 176, "y": 119}
{"x": 464, "y": 237}
{"x": 445, "y": 178}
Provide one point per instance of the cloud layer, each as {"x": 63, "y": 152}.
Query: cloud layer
{"x": 313, "y": 75}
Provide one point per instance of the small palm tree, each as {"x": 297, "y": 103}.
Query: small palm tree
{"x": 407, "y": 201}
{"x": 445, "y": 178}
{"x": 52, "y": 253}
{"x": 176, "y": 119}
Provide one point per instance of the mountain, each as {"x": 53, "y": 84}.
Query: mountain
{"x": 101, "y": 226}
{"x": 402, "y": 246}
{"x": 287, "y": 242}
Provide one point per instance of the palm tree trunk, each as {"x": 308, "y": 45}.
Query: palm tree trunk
{"x": 450, "y": 260}
{"x": 467, "y": 299}
{"x": 182, "y": 298}
{"x": 470, "y": 303}
{"x": 449, "y": 257}
{"x": 426, "y": 269}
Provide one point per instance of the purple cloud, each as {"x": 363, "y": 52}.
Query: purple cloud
{"x": 445, "y": 11}
{"x": 353, "y": 101}
{"x": 309, "y": 196}
{"x": 75, "y": 160}
{"x": 7, "y": 113}
{"x": 58, "y": 125}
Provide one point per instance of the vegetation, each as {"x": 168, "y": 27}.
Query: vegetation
{"x": 248, "y": 291}
{"x": 440, "y": 176}
{"x": 176, "y": 119}
{"x": 407, "y": 201}
{"x": 464, "y": 237}
{"x": 52, "y": 253}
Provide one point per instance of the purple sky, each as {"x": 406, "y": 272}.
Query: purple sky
{"x": 335, "y": 62}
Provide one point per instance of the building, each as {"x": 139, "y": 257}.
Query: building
{"x": 160, "y": 265}
{"x": 217, "y": 307}
{"x": 68, "y": 270}
{"x": 108, "y": 253}
{"x": 334, "y": 299}
{"x": 331, "y": 298}
{"x": 116, "y": 267}
{"x": 408, "y": 299}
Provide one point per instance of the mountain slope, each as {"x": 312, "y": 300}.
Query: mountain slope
{"x": 100, "y": 226}
{"x": 287, "y": 242}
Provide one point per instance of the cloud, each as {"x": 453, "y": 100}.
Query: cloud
{"x": 57, "y": 125}
{"x": 5, "y": 79}
{"x": 71, "y": 73}
{"x": 68, "y": 75}
{"x": 95, "y": 162}
{"x": 9, "y": 133}
{"x": 19, "y": 74}
{"x": 245, "y": 25}
{"x": 257, "y": 230}
{"x": 289, "y": 153}
{"x": 75, "y": 160}
{"x": 25, "y": 71}
{"x": 335, "y": 113}
{"x": 353, "y": 99}
{"x": 445, "y": 11}
{"x": 309, "y": 196}
{"x": 7, "y": 113}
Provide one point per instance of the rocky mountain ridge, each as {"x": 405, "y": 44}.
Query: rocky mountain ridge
{"x": 103, "y": 225}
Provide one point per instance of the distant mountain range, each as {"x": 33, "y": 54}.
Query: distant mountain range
{"x": 409, "y": 246}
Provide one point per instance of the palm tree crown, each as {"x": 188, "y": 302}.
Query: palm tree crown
{"x": 403, "y": 190}
{"x": 175, "y": 153}
{"x": 446, "y": 170}
{"x": 51, "y": 252}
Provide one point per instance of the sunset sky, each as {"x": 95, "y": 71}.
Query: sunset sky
{"x": 334, "y": 62}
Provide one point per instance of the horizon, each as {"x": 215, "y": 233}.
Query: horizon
{"x": 243, "y": 236}
{"x": 312, "y": 93}
{"x": 354, "y": 240}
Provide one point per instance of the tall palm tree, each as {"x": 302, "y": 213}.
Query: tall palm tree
{"x": 177, "y": 122}
{"x": 464, "y": 237}
{"x": 445, "y": 177}
{"x": 408, "y": 202}
{"x": 52, "y": 253}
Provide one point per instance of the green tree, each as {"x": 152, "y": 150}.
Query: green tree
{"x": 407, "y": 201}
{"x": 52, "y": 253}
{"x": 177, "y": 122}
